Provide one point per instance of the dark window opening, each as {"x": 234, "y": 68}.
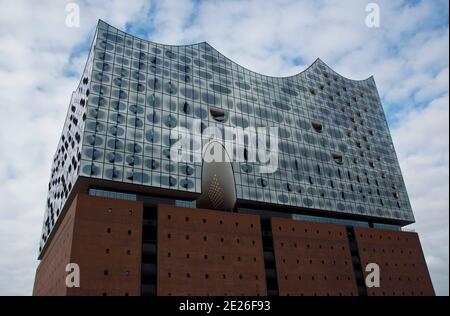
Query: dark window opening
{"x": 218, "y": 115}
{"x": 187, "y": 108}
{"x": 337, "y": 158}
{"x": 317, "y": 127}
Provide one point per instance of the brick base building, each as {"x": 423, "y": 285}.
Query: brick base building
{"x": 137, "y": 248}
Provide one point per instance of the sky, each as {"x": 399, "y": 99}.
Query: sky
{"x": 41, "y": 61}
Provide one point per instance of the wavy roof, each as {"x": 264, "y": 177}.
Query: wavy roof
{"x": 318, "y": 61}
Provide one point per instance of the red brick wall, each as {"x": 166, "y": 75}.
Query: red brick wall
{"x": 106, "y": 246}
{"x": 312, "y": 259}
{"x": 204, "y": 252}
{"x": 399, "y": 255}
{"x": 50, "y": 274}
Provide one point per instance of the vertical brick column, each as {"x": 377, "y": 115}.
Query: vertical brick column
{"x": 104, "y": 237}
{"x": 204, "y": 252}
{"x": 312, "y": 259}
{"x": 403, "y": 270}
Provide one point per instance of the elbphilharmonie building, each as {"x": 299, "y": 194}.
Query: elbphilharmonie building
{"x": 140, "y": 222}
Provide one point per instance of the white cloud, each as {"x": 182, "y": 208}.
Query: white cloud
{"x": 34, "y": 97}
{"x": 408, "y": 56}
{"x": 405, "y": 54}
{"x": 422, "y": 142}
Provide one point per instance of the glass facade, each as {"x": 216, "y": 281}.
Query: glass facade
{"x": 335, "y": 148}
{"x": 329, "y": 220}
{"x": 113, "y": 194}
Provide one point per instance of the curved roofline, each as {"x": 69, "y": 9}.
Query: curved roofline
{"x": 318, "y": 60}
{"x": 335, "y": 72}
